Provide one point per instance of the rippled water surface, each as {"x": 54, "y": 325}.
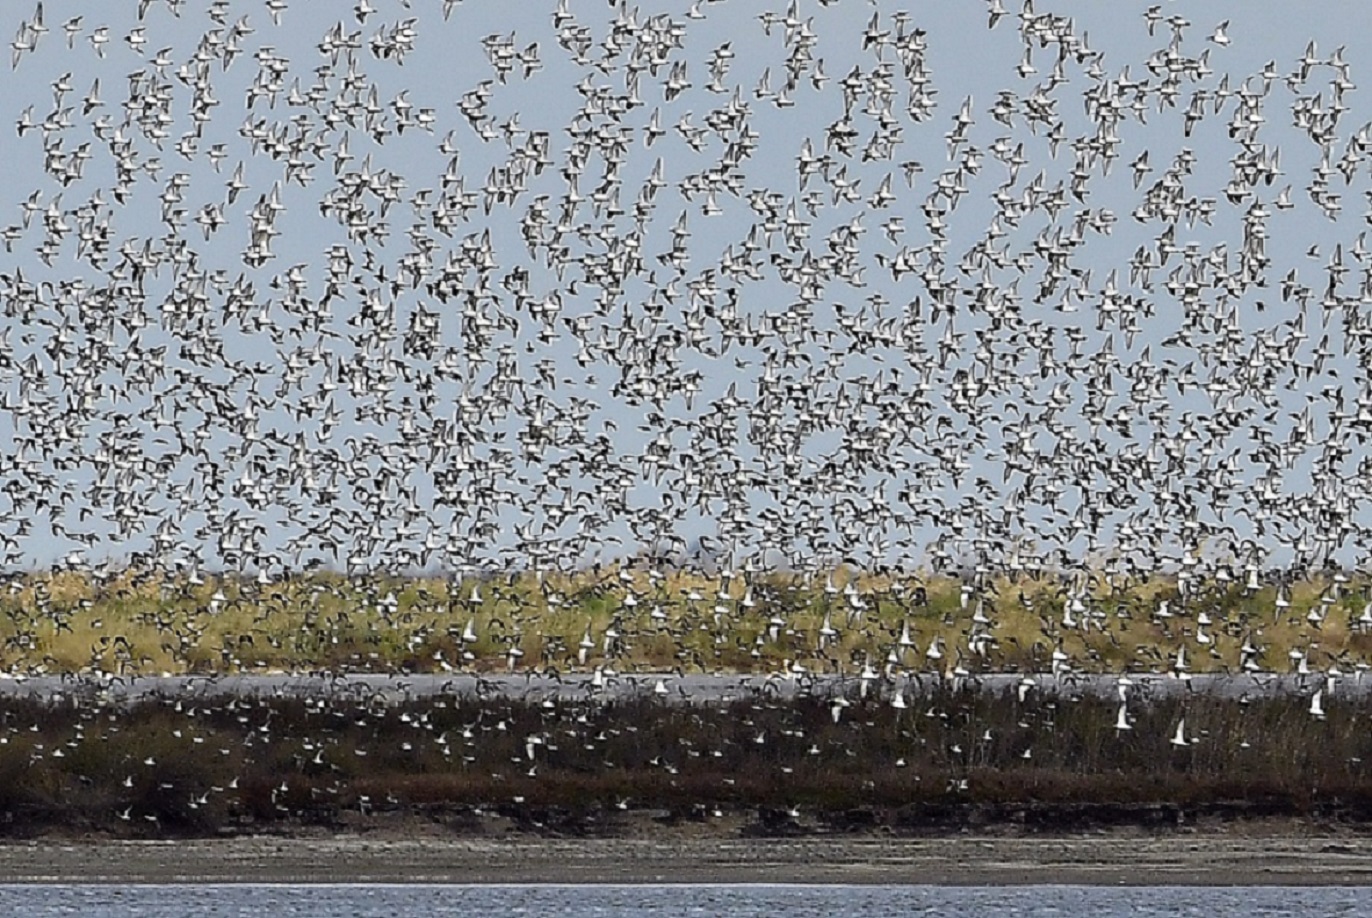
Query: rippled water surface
{"x": 794, "y": 901}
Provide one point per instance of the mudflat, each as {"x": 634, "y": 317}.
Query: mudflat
{"x": 1279, "y": 854}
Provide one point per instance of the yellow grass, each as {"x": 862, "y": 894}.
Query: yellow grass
{"x": 139, "y": 623}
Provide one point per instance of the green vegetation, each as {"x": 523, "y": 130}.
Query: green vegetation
{"x": 641, "y": 619}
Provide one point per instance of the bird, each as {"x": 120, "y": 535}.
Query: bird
{"x": 407, "y": 334}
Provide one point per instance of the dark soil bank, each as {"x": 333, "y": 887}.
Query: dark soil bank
{"x": 945, "y": 762}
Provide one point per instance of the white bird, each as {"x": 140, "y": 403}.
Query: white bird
{"x": 836, "y": 708}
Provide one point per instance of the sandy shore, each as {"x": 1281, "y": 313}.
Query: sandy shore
{"x": 1275, "y": 855}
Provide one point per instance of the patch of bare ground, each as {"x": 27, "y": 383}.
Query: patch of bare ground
{"x": 649, "y": 849}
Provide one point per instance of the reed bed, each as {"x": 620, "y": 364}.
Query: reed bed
{"x": 951, "y": 757}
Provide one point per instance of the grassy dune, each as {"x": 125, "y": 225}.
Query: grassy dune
{"x": 952, "y": 758}
{"x": 638, "y": 619}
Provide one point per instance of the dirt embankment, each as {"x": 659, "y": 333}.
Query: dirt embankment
{"x": 647, "y": 851}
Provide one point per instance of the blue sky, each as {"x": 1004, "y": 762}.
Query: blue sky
{"x": 965, "y": 63}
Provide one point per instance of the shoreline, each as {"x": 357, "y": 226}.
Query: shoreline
{"x": 1280, "y": 853}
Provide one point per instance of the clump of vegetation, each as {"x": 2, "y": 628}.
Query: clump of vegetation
{"x": 641, "y": 618}
{"x": 940, "y": 756}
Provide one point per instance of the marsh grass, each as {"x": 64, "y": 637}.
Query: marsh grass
{"x": 138, "y": 623}
{"x": 170, "y": 766}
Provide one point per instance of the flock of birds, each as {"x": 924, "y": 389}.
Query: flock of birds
{"x": 404, "y": 285}
{"x": 739, "y": 290}
{"x": 251, "y": 330}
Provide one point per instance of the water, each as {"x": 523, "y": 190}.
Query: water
{"x": 794, "y": 901}
{"x": 695, "y": 687}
